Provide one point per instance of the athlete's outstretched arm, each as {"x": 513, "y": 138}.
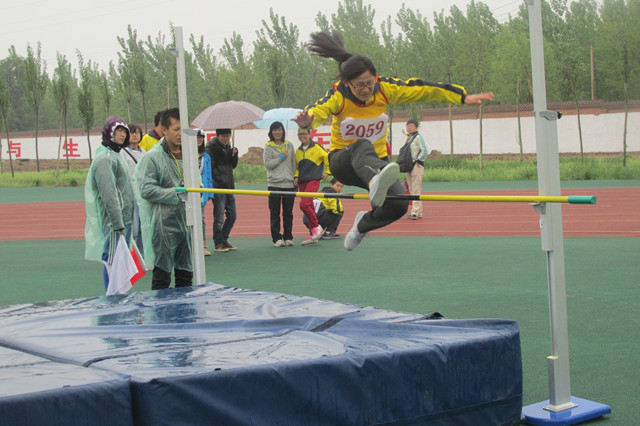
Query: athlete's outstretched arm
{"x": 303, "y": 119}
{"x": 478, "y": 98}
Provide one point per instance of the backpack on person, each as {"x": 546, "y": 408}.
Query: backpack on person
{"x": 404, "y": 159}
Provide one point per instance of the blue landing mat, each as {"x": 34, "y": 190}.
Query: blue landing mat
{"x": 37, "y": 391}
{"x": 235, "y": 356}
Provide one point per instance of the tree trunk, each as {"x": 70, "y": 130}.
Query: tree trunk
{"x": 129, "y": 114}
{"x": 575, "y": 97}
{"x": 37, "y": 156}
{"x": 480, "y": 117}
{"x": 526, "y": 72}
{"x": 481, "y": 159}
{"x": 89, "y": 144}
{"x": 450, "y": 123}
{"x": 519, "y": 120}
{"x": 66, "y": 139}
{"x": 9, "y": 145}
{"x": 144, "y": 110}
{"x": 59, "y": 142}
{"x": 593, "y": 74}
{"x": 626, "y": 118}
{"x": 579, "y": 128}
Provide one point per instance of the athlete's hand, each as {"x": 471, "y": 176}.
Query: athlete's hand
{"x": 303, "y": 119}
{"x": 478, "y": 98}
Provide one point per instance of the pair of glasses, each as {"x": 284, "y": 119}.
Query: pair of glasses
{"x": 303, "y": 134}
{"x": 363, "y": 84}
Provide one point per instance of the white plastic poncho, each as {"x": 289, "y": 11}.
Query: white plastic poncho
{"x": 109, "y": 199}
{"x": 166, "y": 237}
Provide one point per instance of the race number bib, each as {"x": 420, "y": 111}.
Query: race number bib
{"x": 364, "y": 128}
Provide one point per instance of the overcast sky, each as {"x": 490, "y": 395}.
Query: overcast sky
{"x": 92, "y": 27}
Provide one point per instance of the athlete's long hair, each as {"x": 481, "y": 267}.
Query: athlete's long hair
{"x": 332, "y": 46}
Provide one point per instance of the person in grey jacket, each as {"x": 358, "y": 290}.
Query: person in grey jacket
{"x": 280, "y": 160}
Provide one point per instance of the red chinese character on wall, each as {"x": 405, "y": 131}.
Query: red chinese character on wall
{"x": 15, "y": 148}
{"x": 71, "y": 149}
{"x": 320, "y": 138}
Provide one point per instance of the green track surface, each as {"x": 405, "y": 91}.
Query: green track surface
{"x": 470, "y": 277}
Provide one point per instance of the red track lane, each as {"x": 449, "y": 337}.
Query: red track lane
{"x": 616, "y": 214}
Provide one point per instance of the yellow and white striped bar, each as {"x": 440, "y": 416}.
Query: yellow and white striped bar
{"x": 572, "y": 199}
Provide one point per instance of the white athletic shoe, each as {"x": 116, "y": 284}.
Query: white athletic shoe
{"x": 309, "y": 241}
{"x": 316, "y": 233}
{"x": 381, "y": 182}
{"x": 279, "y": 243}
{"x": 288, "y": 243}
{"x": 353, "y": 237}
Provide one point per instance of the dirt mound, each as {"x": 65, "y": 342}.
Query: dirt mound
{"x": 253, "y": 156}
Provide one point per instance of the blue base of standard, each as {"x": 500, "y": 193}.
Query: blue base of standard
{"x": 535, "y": 414}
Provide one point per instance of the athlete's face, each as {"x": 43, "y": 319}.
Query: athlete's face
{"x": 362, "y": 86}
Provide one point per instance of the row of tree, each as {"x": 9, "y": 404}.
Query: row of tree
{"x": 591, "y": 52}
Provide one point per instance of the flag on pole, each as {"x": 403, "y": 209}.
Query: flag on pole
{"x": 124, "y": 269}
{"x": 139, "y": 260}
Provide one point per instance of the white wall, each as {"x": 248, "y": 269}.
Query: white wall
{"x": 600, "y": 133}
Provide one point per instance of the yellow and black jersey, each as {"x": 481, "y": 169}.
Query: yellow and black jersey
{"x": 312, "y": 162}
{"x": 334, "y": 205}
{"x": 353, "y": 120}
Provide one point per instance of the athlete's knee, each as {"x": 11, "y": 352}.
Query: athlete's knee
{"x": 397, "y": 208}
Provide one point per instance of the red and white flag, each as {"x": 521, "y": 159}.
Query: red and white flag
{"x": 126, "y": 269}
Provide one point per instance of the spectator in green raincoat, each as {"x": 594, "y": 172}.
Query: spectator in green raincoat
{"x": 108, "y": 195}
{"x": 165, "y": 233}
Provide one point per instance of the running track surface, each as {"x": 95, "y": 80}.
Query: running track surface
{"x": 616, "y": 214}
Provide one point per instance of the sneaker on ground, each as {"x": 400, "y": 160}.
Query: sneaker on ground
{"x": 229, "y": 246}
{"x": 279, "y": 243}
{"x": 381, "y": 182}
{"x": 353, "y": 237}
{"x": 316, "y": 233}
{"x": 288, "y": 243}
{"x": 221, "y": 248}
{"x": 330, "y": 235}
{"x": 413, "y": 216}
{"x": 309, "y": 241}
{"x": 207, "y": 252}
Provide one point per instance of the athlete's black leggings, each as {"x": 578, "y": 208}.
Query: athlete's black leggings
{"x": 355, "y": 165}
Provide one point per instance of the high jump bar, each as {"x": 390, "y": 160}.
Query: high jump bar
{"x": 572, "y": 199}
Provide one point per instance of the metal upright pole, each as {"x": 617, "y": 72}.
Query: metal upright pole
{"x": 550, "y": 218}
{"x": 546, "y": 125}
{"x": 190, "y": 164}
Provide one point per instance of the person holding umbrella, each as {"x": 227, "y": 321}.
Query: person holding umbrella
{"x": 224, "y": 158}
{"x": 358, "y": 102}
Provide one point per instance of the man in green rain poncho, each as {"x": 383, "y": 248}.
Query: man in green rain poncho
{"x": 165, "y": 234}
{"x": 108, "y": 196}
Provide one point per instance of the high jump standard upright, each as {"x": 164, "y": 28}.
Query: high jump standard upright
{"x": 561, "y": 408}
